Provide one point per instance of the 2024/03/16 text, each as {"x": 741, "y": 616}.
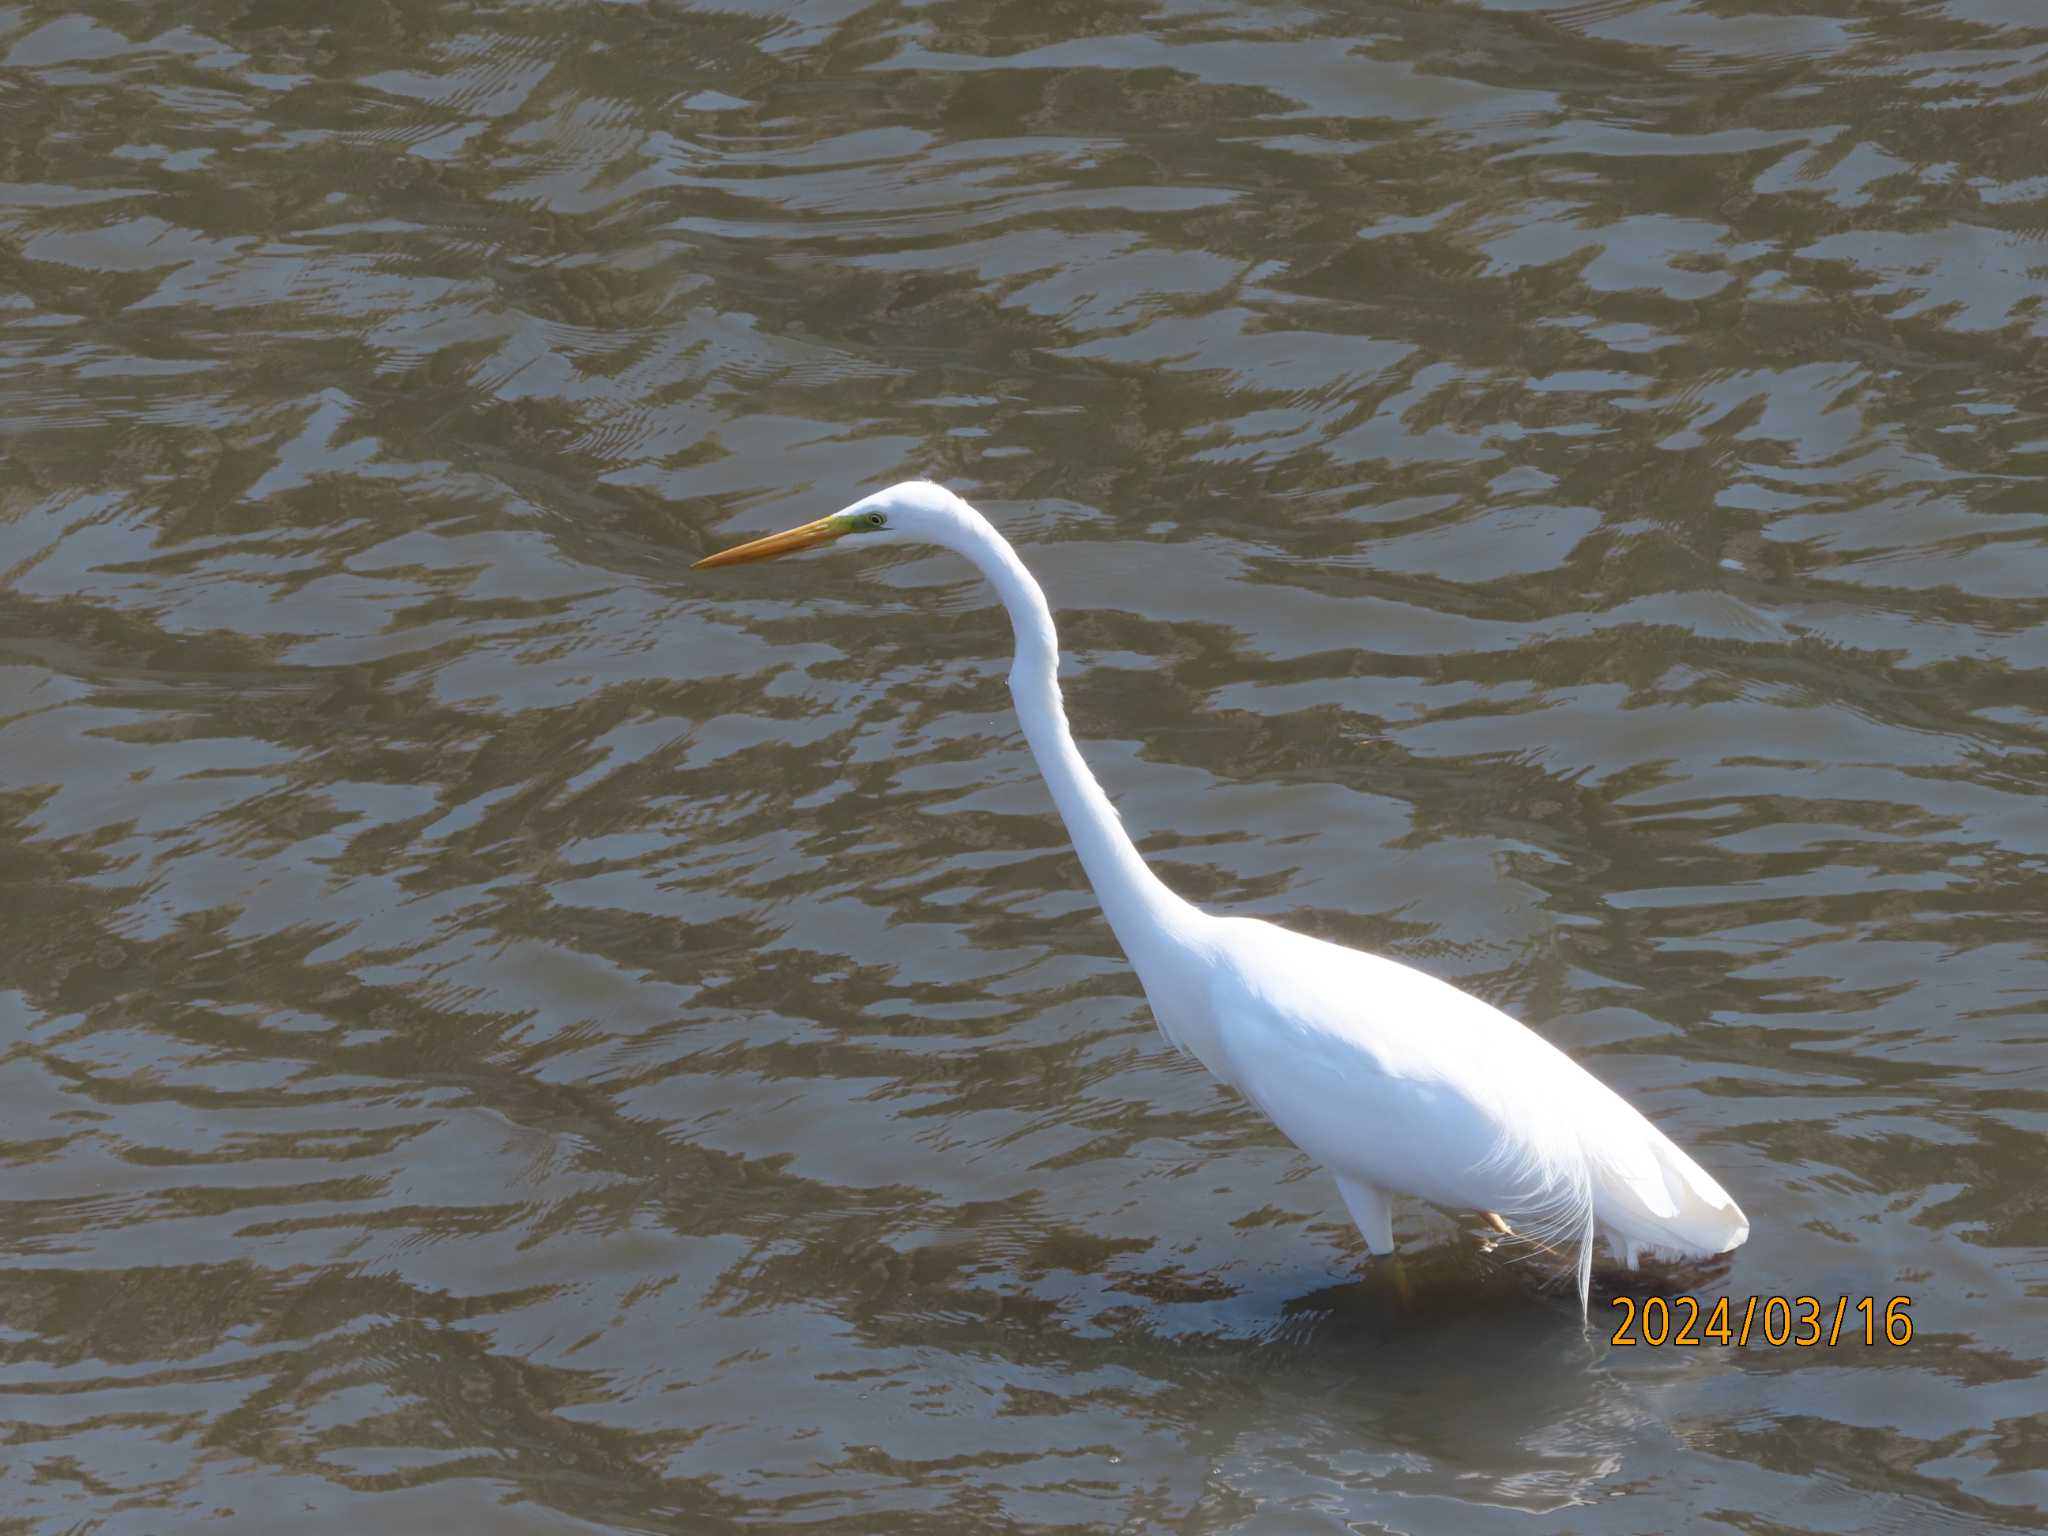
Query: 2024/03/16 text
{"x": 1801, "y": 1321}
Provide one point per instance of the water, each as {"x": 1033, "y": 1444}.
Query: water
{"x": 499, "y": 1031}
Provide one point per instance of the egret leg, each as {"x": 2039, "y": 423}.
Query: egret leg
{"x": 1404, "y": 1293}
{"x": 1501, "y": 1229}
{"x": 1372, "y": 1212}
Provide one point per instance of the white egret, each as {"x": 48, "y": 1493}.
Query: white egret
{"x": 1398, "y": 1083}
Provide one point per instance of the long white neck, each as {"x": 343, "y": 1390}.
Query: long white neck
{"x": 1142, "y": 911}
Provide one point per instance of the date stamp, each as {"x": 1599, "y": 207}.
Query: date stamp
{"x": 1801, "y": 1321}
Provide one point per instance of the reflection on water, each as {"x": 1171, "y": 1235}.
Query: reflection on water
{"x": 496, "y": 1028}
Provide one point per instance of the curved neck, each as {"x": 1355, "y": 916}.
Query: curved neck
{"x": 1140, "y": 908}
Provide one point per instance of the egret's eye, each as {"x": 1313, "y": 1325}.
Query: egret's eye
{"x": 874, "y": 519}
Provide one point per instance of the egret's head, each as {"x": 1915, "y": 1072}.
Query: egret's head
{"x": 915, "y": 512}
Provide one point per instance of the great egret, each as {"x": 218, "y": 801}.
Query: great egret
{"x": 1396, "y": 1082}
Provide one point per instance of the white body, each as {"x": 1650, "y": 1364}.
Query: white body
{"x": 1399, "y": 1083}
{"x": 1396, "y": 1082}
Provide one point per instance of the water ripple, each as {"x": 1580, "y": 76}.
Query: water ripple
{"x": 496, "y": 1028}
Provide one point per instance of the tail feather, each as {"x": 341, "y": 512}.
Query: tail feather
{"x": 1607, "y": 1170}
{"x": 1658, "y": 1198}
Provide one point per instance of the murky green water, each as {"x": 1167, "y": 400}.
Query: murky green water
{"x": 501, "y": 1032}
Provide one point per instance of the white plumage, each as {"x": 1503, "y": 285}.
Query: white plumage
{"x": 1396, "y": 1082}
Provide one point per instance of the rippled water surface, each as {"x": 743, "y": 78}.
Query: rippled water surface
{"x": 499, "y": 1031}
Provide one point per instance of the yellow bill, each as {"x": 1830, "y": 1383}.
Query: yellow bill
{"x": 788, "y": 542}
